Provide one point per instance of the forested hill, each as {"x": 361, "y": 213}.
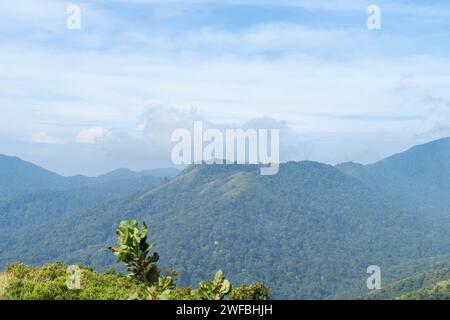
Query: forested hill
{"x": 431, "y": 285}
{"x": 418, "y": 178}
{"x": 308, "y": 232}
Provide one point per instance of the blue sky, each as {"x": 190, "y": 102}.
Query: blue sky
{"x": 109, "y": 95}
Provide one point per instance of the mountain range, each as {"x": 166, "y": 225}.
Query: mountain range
{"x": 309, "y": 232}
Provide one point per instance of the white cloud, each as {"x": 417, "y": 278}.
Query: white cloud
{"x": 44, "y": 138}
{"x": 111, "y": 91}
{"x": 322, "y": 82}
{"x": 91, "y": 135}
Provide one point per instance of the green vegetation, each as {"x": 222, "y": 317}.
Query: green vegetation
{"x": 308, "y": 232}
{"x": 439, "y": 291}
{"x": 144, "y": 281}
{"x": 416, "y": 179}
{"x": 133, "y": 250}
{"x": 250, "y": 292}
{"x": 49, "y": 282}
{"x": 417, "y": 285}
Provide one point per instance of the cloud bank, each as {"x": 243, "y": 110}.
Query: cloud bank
{"x": 108, "y": 95}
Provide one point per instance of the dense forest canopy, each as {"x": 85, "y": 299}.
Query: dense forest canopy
{"x": 308, "y": 232}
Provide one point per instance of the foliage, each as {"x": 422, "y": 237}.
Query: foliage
{"x": 133, "y": 251}
{"x": 144, "y": 281}
{"x": 49, "y": 282}
{"x": 257, "y": 291}
{"x": 309, "y": 232}
{"x": 414, "y": 286}
{"x": 417, "y": 179}
{"x": 216, "y": 289}
{"x": 438, "y": 291}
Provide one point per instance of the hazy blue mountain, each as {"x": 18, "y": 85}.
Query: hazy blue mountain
{"x": 44, "y": 206}
{"x": 119, "y": 174}
{"x": 18, "y": 177}
{"x": 419, "y": 178}
{"x": 124, "y": 174}
{"x": 161, "y": 172}
{"x": 16, "y": 174}
{"x": 31, "y": 196}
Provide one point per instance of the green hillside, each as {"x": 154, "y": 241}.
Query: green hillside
{"x": 433, "y": 284}
{"x": 308, "y": 232}
{"x": 438, "y": 291}
{"x": 144, "y": 281}
{"x": 418, "y": 179}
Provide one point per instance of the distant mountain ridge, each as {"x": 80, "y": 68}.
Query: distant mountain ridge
{"x": 125, "y": 173}
{"x": 309, "y": 232}
{"x": 418, "y": 178}
{"x": 17, "y": 175}
{"x": 31, "y": 195}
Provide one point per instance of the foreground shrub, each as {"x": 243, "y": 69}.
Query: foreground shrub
{"x": 250, "y": 292}
{"x": 49, "y": 282}
{"x": 134, "y": 251}
{"x": 144, "y": 279}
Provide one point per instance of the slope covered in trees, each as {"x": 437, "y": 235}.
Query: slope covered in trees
{"x": 145, "y": 280}
{"x": 429, "y": 285}
{"x": 308, "y": 232}
{"x": 418, "y": 179}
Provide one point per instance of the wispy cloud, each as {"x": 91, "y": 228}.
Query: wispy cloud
{"x": 311, "y": 65}
{"x": 44, "y": 138}
{"x": 91, "y": 135}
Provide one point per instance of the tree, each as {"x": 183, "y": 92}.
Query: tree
{"x": 134, "y": 251}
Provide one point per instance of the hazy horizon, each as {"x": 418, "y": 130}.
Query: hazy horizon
{"x": 108, "y": 95}
{"x": 181, "y": 167}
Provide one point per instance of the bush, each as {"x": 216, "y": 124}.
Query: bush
{"x": 49, "y": 282}
{"x": 133, "y": 250}
{"x": 256, "y": 291}
{"x": 144, "y": 281}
